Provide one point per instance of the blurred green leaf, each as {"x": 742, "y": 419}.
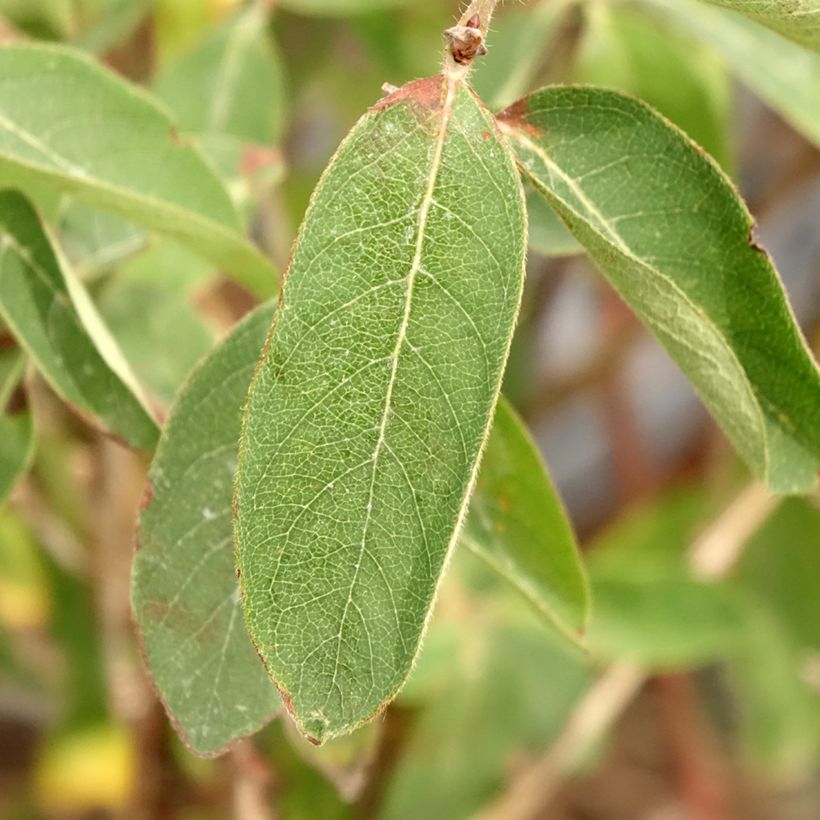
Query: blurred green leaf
{"x": 782, "y": 564}
{"x": 504, "y": 692}
{"x": 167, "y": 265}
{"x": 547, "y": 234}
{"x": 786, "y": 76}
{"x": 369, "y": 410}
{"x": 228, "y": 84}
{"x": 179, "y": 24}
{"x": 100, "y": 25}
{"x": 111, "y": 146}
{"x": 798, "y": 20}
{"x": 671, "y": 234}
{"x": 16, "y": 425}
{"x": 52, "y": 316}
{"x": 647, "y": 608}
{"x": 517, "y": 45}
{"x": 338, "y": 8}
{"x": 160, "y": 333}
{"x": 25, "y": 602}
{"x": 771, "y": 672}
{"x": 184, "y": 588}
{"x": 517, "y": 524}
{"x": 47, "y": 19}
{"x": 97, "y": 241}
{"x": 628, "y": 51}
{"x": 663, "y": 622}
{"x": 779, "y": 714}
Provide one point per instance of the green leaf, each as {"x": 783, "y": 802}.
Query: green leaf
{"x": 786, "y": 76}
{"x": 228, "y": 84}
{"x": 685, "y": 81}
{"x": 109, "y": 145}
{"x": 97, "y": 241}
{"x": 518, "y": 526}
{"x": 547, "y": 234}
{"x": 52, "y": 316}
{"x": 799, "y": 20}
{"x": 160, "y": 333}
{"x": 669, "y": 231}
{"x": 663, "y": 623}
{"x": 503, "y": 688}
{"x": 370, "y": 408}
{"x": 16, "y": 425}
{"x": 184, "y": 589}
{"x": 647, "y": 607}
{"x": 338, "y": 8}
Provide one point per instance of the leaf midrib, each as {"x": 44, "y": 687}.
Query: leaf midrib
{"x": 415, "y": 267}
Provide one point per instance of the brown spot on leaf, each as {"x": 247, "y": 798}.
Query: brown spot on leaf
{"x": 427, "y": 94}
{"x": 516, "y": 117}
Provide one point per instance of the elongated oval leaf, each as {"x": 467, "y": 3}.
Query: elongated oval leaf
{"x": 110, "y": 145}
{"x": 671, "y": 234}
{"x": 369, "y": 411}
{"x": 184, "y": 589}
{"x": 229, "y": 84}
{"x": 786, "y": 76}
{"x": 51, "y": 315}
{"x": 798, "y": 20}
{"x": 518, "y": 525}
{"x": 16, "y": 425}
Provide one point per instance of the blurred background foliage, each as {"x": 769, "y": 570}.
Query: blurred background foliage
{"x": 697, "y": 698}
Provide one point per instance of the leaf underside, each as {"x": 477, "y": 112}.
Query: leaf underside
{"x": 671, "y": 234}
{"x": 184, "y": 589}
{"x": 368, "y": 413}
{"x": 518, "y": 526}
{"x": 53, "y": 318}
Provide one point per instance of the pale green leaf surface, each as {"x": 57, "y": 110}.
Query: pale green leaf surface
{"x": 786, "y": 76}
{"x": 628, "y": 51}
{"x": 338, "y": 8}
{"x": 16, "y": 428}
{"x": 647, "y": 608}
{"x": 184, "y": 589}
{"x": 799, "y": 20}
{"x": 158, "y": 330}
{"x": 491, "y": 686}
{"x": 68, "y": 123}
{"x": 517, "y": 524}
{"x": 97, "y": 241}
{"x": 228, "y": 84}
{"x": 371, "y": 406}
{"x": 547, "y": 235}
{"x": 53, "y": 318}
{"x": 671, "y": 234}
